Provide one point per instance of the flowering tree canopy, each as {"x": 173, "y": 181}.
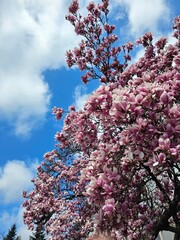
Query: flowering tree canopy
{"x": 116, "y": 166}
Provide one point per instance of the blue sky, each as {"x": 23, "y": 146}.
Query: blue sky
{"x": 34, "y": 78}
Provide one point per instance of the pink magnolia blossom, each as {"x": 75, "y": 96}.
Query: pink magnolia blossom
{"x": 58, "y": 112}
{"x": 115, "y": 171}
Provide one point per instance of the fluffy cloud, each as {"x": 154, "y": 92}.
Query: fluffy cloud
{"x": 22, "y": 229}
{"x": 15, "y": 177}
{"x": 34, "y": 37}
{"x": 15, "y": 216}
{"x": 144, "y": 15}
{"x": 33, "y": 34}
{"x": 80, "y": 96}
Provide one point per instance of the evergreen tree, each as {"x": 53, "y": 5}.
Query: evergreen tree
{"x": 12, "y": 234}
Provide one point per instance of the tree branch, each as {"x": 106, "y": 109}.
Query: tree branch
{"x": 158, "y": 184}
{"x": 172, "y": 229}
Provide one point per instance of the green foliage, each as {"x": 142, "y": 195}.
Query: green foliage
{"x": 12, "y": 234}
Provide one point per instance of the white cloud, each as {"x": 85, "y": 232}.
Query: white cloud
{"x": 23, "y": 101}
{"x": 15, "y": 177}
{"x": 14, "y": 216}
{"x": 22, "y": 229}
{"x": 144, "y": 15}
{"x": 34, "y": 37}
{"x": 80, "y": 96}
{"x": 6, "y": 221}
{"x": 24, "y": 232}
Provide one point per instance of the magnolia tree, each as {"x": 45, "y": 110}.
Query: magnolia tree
{"x": 116, "y": 167}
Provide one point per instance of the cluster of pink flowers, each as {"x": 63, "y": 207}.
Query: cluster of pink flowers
{"x": 117, "y": 164}
{"x": 58, "y": 112}
{"x": 97, "y": 53}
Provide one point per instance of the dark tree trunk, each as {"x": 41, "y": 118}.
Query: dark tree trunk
{"x": 177, "y": 236}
